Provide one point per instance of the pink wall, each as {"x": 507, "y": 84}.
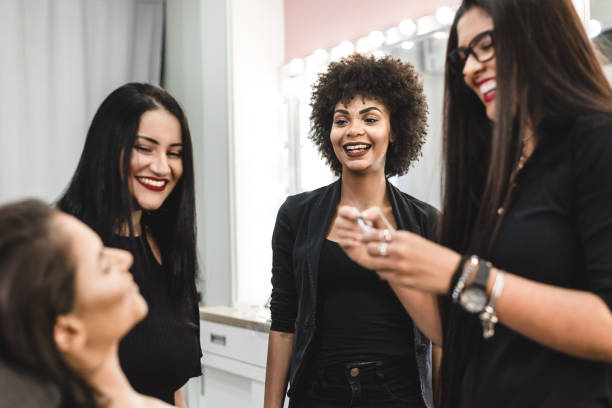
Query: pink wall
{"x": 312, "y": 24}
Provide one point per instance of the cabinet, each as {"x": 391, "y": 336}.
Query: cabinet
{"x": 235, "y": 346}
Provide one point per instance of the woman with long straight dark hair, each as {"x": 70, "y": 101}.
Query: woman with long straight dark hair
{"x": 134, "y": 185}
{"x": 527, "y": 190}
{"x": 65, "y": 303}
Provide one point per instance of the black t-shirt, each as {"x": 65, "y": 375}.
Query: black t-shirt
{"x": 557, "y": 230}
{"x": 163, "y": 351}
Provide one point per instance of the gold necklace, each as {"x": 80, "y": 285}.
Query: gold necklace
{"x": 519, "y": 166}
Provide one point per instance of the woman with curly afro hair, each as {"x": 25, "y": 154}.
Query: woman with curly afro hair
{"x": 341, "y": 336}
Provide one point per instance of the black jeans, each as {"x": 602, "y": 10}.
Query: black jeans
{"x": 372, "y": 384}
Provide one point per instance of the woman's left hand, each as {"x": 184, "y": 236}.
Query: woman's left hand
{"x": 400, "y": 257}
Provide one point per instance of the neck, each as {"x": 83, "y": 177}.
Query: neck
{"x": 108, "y": 378}
{"x": 364, "y": 190}
{"x": 125, "y": 229}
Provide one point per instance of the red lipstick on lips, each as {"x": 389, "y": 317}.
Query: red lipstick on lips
{"x": 488, "y": 96}
{"x": 150, "y": 187}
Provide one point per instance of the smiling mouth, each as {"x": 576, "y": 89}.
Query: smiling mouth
{"x": 356, "y": 149}
{"x": 487, "y": 90}
{"x": 152, "y": 184}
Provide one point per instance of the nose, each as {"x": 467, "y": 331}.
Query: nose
{"x": 160, "y": 165}
{"x": 355, "y": 128}
{"x": 472, "y": 66}
{"x": 121, "y": 258}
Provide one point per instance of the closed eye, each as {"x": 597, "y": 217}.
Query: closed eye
{"x": 141, "y": 148}
{"x": 340, "y": 122}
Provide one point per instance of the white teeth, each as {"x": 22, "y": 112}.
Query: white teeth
{"x": 356, "y": 147}
{"x": 152, "y": 182}
{"x": 488, "y": 86}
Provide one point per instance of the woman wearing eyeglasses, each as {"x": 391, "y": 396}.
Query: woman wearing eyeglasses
{"x": 525, "y": 273}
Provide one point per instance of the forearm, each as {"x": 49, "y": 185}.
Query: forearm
{"x": 179, "y": 399}
{"x": 422, "y": 308}
{"x": 280, "y": 347}
{"x": 567, "y": 320}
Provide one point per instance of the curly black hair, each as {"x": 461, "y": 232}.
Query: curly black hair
{"x": 393, "y": 83}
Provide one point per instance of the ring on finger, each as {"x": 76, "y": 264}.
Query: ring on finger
{"x": 382, "y": 249}
{"x": 386, "y": 235}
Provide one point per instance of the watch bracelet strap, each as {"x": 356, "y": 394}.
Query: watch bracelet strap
{"x": 473, "y": 262}
{"x": 489, "y": 317}
{"x": 457, "y": 274}
{"x": 482, "y": 274}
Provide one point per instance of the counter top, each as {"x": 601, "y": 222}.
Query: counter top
{"x": 252, "y": 318}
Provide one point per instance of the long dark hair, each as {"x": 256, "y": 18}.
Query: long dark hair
{"x": 36, "y": 286}
{"x": 100, "y": 196}
{"x": 547, "y": 74}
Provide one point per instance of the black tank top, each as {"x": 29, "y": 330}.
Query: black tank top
{"x": 358, "y": 314}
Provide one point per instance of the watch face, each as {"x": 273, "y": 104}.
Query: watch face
{"x": 473, "y": 299}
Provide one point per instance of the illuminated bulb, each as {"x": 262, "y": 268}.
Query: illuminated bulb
{"x": 379, "y": 54}
{"x": 363, "y": 45}
{"x": 593, "y": 28}
{"x": 376, "y": 39}
{"x": 346, "y": 48}
{"x": 296, "y": 66}
{"x": 426, "y": 24}
{"x": 407, "y": 45}
{"x": 392, "y": 36}
{"x": 407, "y": 27}
{"x": 445, "y": 15}
{"x": 440, "y": 35}
{"x": 343, "y": 49}
{"x": 320, "y": 56}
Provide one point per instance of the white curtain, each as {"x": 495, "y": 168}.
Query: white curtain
{"x": 58, "y": 61}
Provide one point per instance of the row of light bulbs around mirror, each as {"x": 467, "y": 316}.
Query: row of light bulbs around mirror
{"x": 403, "y": 34}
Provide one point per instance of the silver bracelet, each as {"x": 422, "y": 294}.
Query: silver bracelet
{"x": 488, "y": 317}
{"x": 467, "y": 270}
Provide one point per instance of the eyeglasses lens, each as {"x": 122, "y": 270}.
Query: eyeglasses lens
{"x": 481, "y": 48}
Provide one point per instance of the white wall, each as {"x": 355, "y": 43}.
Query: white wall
{"x": 257, "y": 54}
{"x": 223, "y": 65}
{"x": 196, "y": 73}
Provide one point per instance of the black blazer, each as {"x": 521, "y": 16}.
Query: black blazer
{"x": 301, "y": 226}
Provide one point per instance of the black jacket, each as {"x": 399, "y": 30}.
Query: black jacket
{"x": 301, "y": 226}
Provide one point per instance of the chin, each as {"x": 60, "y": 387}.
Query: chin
{"x": 142, "y": 308}
{"x": 150, "y": 205}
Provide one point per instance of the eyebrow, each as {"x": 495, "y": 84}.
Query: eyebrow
{"x": 150, "y": 139}
{"x": 361, "y": 112}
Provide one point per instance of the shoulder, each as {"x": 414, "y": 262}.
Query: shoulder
{"x": 590, "y": 137}
{"x": 591, "y": 128}
{"x": 410, "y": 203}
{"x": 299, "y": 203}
{"x": 417, "y": 211}
{"x": 151, "y": 402}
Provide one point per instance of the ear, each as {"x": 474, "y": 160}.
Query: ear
{"x": 69, "y": 333}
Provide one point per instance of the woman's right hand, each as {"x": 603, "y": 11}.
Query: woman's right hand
{"x": 400, "y": 257}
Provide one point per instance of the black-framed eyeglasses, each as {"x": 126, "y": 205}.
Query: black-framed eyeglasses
{"x": 481, "y": 47}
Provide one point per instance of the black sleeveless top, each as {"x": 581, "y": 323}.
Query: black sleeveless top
{"x": 163, "y": 351}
